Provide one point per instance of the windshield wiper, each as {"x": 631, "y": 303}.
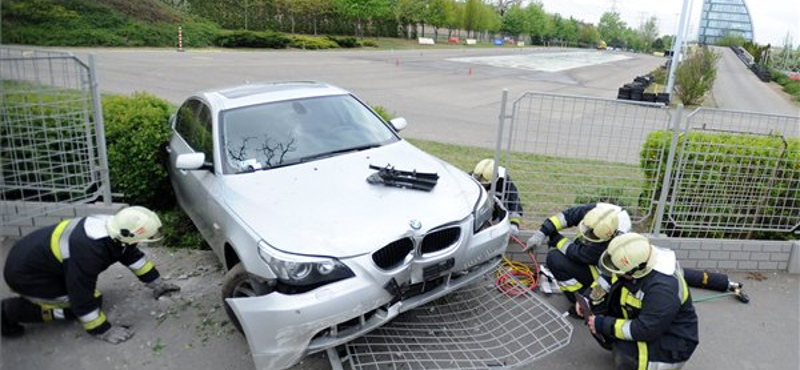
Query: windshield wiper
{"x": 390, "y": 176}
{"x": 339, "y": 151}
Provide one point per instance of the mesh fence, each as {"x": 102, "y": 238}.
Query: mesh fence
{"x": 565, "y": 150}
{"x": 737, "y": 175}
{"x": 50, "y": 153}
{"x": 729, "y": 174}
{"x": 477, "y": 327}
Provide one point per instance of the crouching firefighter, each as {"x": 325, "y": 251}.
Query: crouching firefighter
{"x": 641, "y": 306}
{"x": 505, "y": 189}
{"x": 574, "y": 262}
{"x": 55, "y": 271}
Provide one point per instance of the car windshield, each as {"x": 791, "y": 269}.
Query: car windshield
{"x": 265, "y": 136}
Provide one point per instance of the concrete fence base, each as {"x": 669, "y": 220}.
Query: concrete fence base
{"x": 20, "y": 218}
{"x": 714, "y": 254}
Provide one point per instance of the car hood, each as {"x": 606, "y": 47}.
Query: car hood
{"x": 327, "y": 207}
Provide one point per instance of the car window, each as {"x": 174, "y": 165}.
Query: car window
{"x": 287, "y": 132}
{"x": 193, "y": 122}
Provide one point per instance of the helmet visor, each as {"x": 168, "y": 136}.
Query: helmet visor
{"x": 587, "y": 233}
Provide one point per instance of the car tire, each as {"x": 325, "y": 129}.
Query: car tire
{"x": 236, "y": 284}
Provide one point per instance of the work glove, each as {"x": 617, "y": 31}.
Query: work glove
{"x": 161, "y": 288}
{"x": 116, "y": 335}
{"x": 538, "y": 238}
{"x": 514, "y": 229}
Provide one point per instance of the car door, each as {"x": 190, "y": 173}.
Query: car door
{"x": 192, "y": 132}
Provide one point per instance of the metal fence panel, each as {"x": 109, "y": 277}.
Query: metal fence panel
{"x": 737, "y": 174}
{"x": 565, "y": 150}
{"x": 52, "y": 149}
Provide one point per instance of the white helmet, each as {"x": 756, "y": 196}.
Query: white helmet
{"x": 484, "y": 171}
{"x": 601, "y": 223}
{"x": 629, "y": 254}
{"x": 133, "y": 225}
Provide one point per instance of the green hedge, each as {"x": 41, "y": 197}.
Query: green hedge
{"x": 137, "y": 131}
{"x": 312, "y": 42}
{"x": 720, "y": 166}
{"x": 252, "y": 39}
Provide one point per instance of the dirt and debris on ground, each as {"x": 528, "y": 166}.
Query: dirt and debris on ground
{"x": 188, "y": 330}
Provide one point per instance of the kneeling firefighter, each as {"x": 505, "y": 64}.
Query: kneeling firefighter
{"x": 55, "y": 270}
{"x": 641, "y": 306}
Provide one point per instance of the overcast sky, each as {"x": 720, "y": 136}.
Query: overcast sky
{"x": 772, "y": 19}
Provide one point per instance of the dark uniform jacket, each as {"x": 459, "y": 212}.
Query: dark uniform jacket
{"x": 655, "y": 310}
{"x": 34, "y": 269}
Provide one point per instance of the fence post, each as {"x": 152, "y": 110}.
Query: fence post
{"x": 99, "y": 126}
{"x": 662, "y": 200}
{"x": 502, "y": 119}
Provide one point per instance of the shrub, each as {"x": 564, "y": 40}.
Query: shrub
{"x": 345, "y": 41}
{"x": 383, "y": 112}
{"x": 728, "y": 180}
{"x": 311, "y": 43}
{"x": 251, "y": 39}
{"x": 179, "y": 231}
{"x": 696, "y": 75}
{"x": 137, "y": 130}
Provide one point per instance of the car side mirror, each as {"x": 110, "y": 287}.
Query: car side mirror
{"x": 399, "y": 123}
{"x": 192, "y": 161}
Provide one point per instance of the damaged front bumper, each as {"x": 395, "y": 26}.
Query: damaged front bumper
{"x": 281, "y": 329}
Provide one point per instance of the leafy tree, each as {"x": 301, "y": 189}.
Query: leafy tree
{"x": 471, "y": 17}
{"x": 540, "y": 24}
{"x": 360, "y": 11}
{"x": 587, "y": 34}
{"x": 611, "y": 28}
{"x": 648, "y": 32}
{"x": 409, "y": 13}
{"x": 439, "y": 11}
{"x": 515, "y": 21}
{"x": 696, "y": 75}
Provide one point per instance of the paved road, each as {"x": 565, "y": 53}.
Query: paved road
{"x": 439, "y": 97}
{"x": 738, "y": 88}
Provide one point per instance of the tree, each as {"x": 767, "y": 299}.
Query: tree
{"x": 360, "y": 11}
{"x": 538, "y": 20}
{"x": 439, "y": 11}
{"x": 648, "y": 32}
{"x": 471, "y": 17}
{"x": 696, "y": 75}
{"x": 409, "y": 13}
{"x": 515, "y": 22}
{"x": 588, "y": 35}
{"x": 611, "y": 28}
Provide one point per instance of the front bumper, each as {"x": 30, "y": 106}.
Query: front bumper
{"x": 281, "y": 329}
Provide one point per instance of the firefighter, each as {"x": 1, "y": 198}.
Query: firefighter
{"x": 55, "y": 269}
{"x": 641, "y": 306}
{"x": 574, "y": 262}
{"x": 505, "y": 189}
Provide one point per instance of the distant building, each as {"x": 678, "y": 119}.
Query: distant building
{"x": 724, "y": 17}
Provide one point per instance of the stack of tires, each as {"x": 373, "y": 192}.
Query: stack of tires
{"x": 762, "y": 72}
{"x": 636, "y": 91}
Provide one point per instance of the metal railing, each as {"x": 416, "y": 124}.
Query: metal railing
{"x": 52, "y": 144}
{"x": 711, "y": 173}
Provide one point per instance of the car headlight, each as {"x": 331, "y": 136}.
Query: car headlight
{"x": 482, "y": 215}
{"x": 303, "y": 272}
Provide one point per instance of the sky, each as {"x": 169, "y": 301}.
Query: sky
{"x": 772, "y": 19}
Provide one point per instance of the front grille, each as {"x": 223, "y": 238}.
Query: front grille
{"x": 393, "y": 253}
{"x": 440, "y": 239}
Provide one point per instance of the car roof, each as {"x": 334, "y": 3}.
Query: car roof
{"x": 264, "y": 92}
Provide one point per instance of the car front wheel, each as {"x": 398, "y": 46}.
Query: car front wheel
{"x": 236, "y": 284}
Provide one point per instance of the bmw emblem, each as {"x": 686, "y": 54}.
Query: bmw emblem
{"x": 415, "y": 224}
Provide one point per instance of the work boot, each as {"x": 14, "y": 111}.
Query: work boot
{"x": 10, "y": 329}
